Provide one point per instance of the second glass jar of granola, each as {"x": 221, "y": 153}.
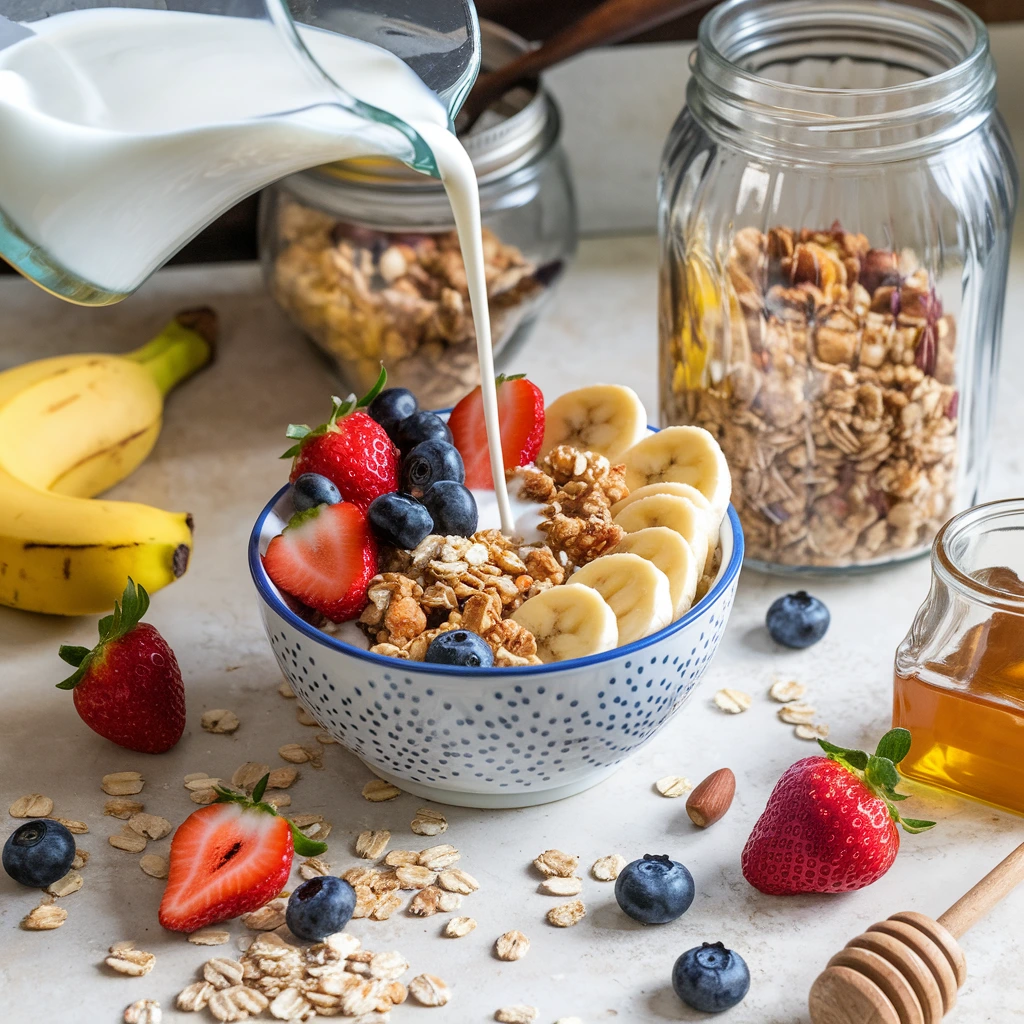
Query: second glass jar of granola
{"x": 836, "y": 205}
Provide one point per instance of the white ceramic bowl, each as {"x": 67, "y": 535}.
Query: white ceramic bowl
{"x": 493, "y": 737}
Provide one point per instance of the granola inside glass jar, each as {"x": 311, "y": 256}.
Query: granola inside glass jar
{"x": 364, "y": 258}
{"x": 836, "y": 205}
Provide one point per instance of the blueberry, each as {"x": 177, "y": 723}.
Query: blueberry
{"x": 312, "y": 489}
{"x": 320, "y": 907}
{"x": 711, "y": 978}
{"x": 459, "y": 647}
{"x": 39, "y": 852}
{"x": 452, "y": 507}
{"x": 399, "y": 519}
{"x": 419, "y": 427}
{"x": 392, "y": 406}
{"x": 654, "y": 890}
{"x": 429, "y": 462}
{"x": 797, "y": 620}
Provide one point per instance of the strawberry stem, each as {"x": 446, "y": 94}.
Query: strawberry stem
{"x": 304, "y": 846}
{"x": 878, "y": 772}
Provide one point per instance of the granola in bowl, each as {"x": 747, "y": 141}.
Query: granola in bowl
{"x": 392, "y": 542}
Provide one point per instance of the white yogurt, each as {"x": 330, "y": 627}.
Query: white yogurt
{"x": 124, "y": 131}
{"x": 526, "y": 515}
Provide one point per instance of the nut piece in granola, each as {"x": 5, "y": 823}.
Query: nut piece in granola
{"x": 513, "y": 945}
{"x": 35, "y": 805}
{"x": 429, "y": 990}
{"x": 567, "y": 914}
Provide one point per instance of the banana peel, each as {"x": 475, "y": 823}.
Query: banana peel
{"x": 70, "y": 428}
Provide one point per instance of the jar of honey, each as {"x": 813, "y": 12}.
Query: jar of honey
{"x": 959, "y": 681}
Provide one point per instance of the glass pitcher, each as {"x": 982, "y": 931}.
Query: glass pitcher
{"x": 101, "y": 177}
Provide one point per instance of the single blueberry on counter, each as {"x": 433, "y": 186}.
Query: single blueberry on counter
{"x": 312, "y": 489}
{"x": 452, "y": 507}
{"x": 654, "y": 890}
{"x": 797, "y": 620}
{"x": 460, "y": 647}
{"x": 399, "y": 519}
{"x": 320, "y": 907}
{"x": 419, "y": 427}
{"x": 711, "y": 978}
{"x": 39, "y": 852}
{"x": 392, "y": 406}
{"x": 429, "y": 462}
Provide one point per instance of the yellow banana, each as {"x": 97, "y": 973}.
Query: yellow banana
{"x": 71, "y": 427}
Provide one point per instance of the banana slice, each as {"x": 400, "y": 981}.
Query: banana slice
{"x": 679, "y": 514}
{"x": 636, "y": 590}
{"x": 603, "y": 418}
{"x": 684, "y": 455}
{"x": 667, "y": 551}
{"x": 569, "y": 622}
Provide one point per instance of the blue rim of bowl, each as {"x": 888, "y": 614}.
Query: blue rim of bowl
{"x": 266, "y": 592}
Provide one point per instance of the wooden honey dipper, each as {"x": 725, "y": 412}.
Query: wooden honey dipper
{"x": 908, "y": 968}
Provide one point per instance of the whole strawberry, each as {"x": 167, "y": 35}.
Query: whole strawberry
{"x": 830, "y": 823}
{"x": 351, "y": 449}
{"x": 128, "y": 688}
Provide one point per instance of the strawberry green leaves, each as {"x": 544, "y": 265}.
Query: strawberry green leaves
{"x": 340, "y": 408}
{"x": 127, "y": 614}
{"x": 302, "y": 845}
{"x": 878, "y": 772}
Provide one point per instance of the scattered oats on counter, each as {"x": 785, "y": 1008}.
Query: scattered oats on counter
{"x": 426, "y": 902}
{"x": 81, "y": 859}
{"x": 209, "y": 937}
{"x": 459, "y": 926}
{"x": 785, "y": 690}
{"x": 247, "y": 775}
{"x": 122, "y": 783}
{"x": 371, "y": 844}
{"x": 278, "y": 800}
{"x": 303, "y": 717}
{"x": 65, "y": 886}
{"x": 437, "y": 858}
{"x": 520, "y": 1014}
{"x": 377, "y": 791}
{"x": 429, "y": 990}
{"x": 219, "y": 720}
{"x": 152, "y": 826}
{"x": 732, "y": 702}
{"x": 607, "y": 869}
{"x": 284, "y": 688}
{"x": 296, "y": 753}
{"x": 396, "y": 858}
{"x": 555, "y": 862}
{"x": 567, "y": 914}
{"x": 282, "y": 778}
{"x": 35, "y": 805}
{"x": 811, "y": 732}
{"x": 154, "y": 865}
{"x": 119, "y": 807}
{"x": 128, "y": 840}
{"x": 314, "y": 867}
{"x": 143, "y": 1011}
{"x": 44, "y": 918}
{"x": 223, "y": 972}
{"x": 203, "y": 796}
{"x": 511, "y": 946}
{"x": 78, "y": 828}
{"x": 266, "y": 918}
{"x": 415, "y": 876}
{"x": 457, "y": 880}
{"x": 558, "y": 885}
{"x": 126, "y": 959}
{"x": 429, "y": 822}
{"x": 673, "y": 786}
{"x": 200, "y": 780}
{"x": 325, "y": 739}
{"x": 797, "y": 714}
{"x": 387, "y": 904}
{"x": 194, "y": 997}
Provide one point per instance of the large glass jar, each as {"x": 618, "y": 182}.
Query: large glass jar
{"x": 959, "y": 684}
{"x": 364, "y": 258}
{"x": 836, "y": 204}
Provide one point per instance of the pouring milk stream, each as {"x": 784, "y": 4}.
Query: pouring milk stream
{"x": 123, "y": 131}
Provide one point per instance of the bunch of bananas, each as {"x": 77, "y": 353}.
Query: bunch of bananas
{"x": 71, "y": 427}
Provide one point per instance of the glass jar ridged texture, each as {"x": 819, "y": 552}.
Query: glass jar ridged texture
{"x": 835, "y": 211}
{"x": 363, "y": 256}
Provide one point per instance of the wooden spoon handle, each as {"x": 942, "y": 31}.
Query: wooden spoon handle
{"x": 611, "y": 22}
{"x": 975, "y": 904}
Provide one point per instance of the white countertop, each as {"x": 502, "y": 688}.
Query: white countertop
{"x": 217, "y": 458}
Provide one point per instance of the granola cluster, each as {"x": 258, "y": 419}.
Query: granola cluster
{"x": 371, "y": 296}
{"x": 829, "y": 384}
{"x": 476, "y": 583}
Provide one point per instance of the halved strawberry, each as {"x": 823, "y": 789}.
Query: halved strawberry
{"x": 229, "y": 858}
{"x": 521, "y": 421}
{"x": 325, "y": 557}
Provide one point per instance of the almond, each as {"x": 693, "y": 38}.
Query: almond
{"x": 712, "y": 798}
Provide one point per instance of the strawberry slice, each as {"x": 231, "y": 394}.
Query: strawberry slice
{"x": 325, "y": 558}
{"x": 229, "y": 858}
{"x": 521, "y": 421}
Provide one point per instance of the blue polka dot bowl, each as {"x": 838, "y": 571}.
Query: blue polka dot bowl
{"x": 494, "y": 737}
